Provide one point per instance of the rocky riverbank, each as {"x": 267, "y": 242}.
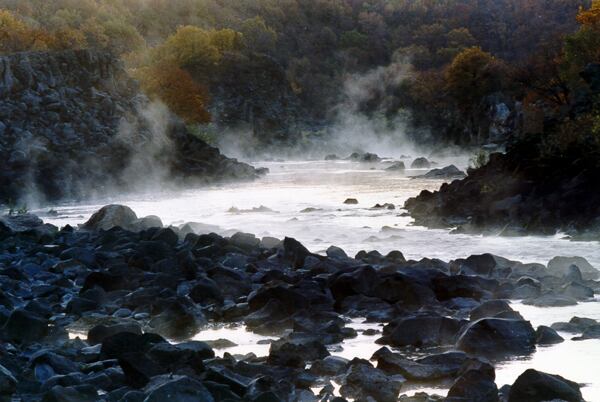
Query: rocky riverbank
{"x": 140, "y": 291}
{"x": 73, "y": 124}
{"x": 515, "y": 194}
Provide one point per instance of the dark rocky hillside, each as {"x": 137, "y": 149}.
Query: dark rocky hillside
{"x": 73, "y": 124}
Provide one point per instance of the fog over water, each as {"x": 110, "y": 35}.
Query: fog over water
{"x": 294, "y": 186}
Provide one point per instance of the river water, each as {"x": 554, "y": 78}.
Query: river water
{"x": 305, "y": 200}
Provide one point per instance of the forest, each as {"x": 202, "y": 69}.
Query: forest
{"x": 279, "y": 68}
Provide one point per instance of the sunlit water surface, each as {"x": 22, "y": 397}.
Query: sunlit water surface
{"x": 292, "y": 187}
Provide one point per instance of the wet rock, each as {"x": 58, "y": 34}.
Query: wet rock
{"x": 177, "y": 389}
{"x": 573, "y": 274}
{"x": 551, "y": 299}
{"x": 485, "y": 265}
{"x": 295, "y": 353}
{"x": 396, "y": 167}
{"x": 8, "y": 383}
{"x": 111, "y": 216}
{"x": 490, "y": 308}
{"x": 71, "y": 394}
{"x": 25, "y": 326}
{"x": 420, "y": 163}
{"x": 577, "y": 291}
{"x": 497, "y": 337}
{"x": 394, "y": 363}
{"x": 547, "y": 336}
{"x": 474, "y": 385}
{"x": 331, "y": 157}
{"x": 351, "y": 201}
{"x": 147, "y": 222}
{"x": 591, "y": 332}
{"x": 422, "y": 331}
{"x": 362, "y": 381}
{"x": 329, "y": 366}
{"x": 98, "y": 333}
{"x": 536, "y": 386}
{"x": 245, "y": 241}
{"x": 294, "y": 252}
{"x": 336, "y": 253}
{"x": 575, "y": 325}
{"x": 560, "y": 266}
{"x": 366, "y": 157}
{"x": 221, "y": 344}
{"x": 448, "y": 172}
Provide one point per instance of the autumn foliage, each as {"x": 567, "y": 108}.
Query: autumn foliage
{"x": 176, "y": 88}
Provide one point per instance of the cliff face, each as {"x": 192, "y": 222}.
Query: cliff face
{"x": 73, "y": 124}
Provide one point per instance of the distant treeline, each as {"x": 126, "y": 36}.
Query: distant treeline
{"x": 274, "y": 64}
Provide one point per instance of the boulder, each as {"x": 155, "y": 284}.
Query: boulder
{"x": 536, "y": 386}
{"x": 489, "y": 308}
{"x": 560, "y": 266}
{"x": 547, "y": 336}
{"x": 111, "y": 216}
{"x": 8, "y": 383}
{"x": 351, "y": 201}
{"x": 551, "y": 299}
{"x": 448, "y": 172}
{"x": 25, "y": 326}
{"x": 177, "y": 389}
{"x": 100, "y": 332}
{"x": 420, "y": 163}
{"x": 396, "y": 167}
{"x": 473, "y": 385}
{"x": 362, "y": 382}
{"x": 422, "y": 331}
{"x": 497, "y": 337}
{"x": 295, "y": 353}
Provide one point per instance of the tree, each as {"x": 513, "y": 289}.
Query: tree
{"x": 472, "y": 75}
{"x": 176, "y": 88}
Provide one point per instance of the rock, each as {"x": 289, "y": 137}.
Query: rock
{"x": 59, "y": 393}
{"x": 448, "y": 172}
{"x": 396, "y": 167}
{"x": 147, "y": 222}
{"x": 244, "y": 241}
{"x": 484, "y": 265}
{"x": 329, "y": 366}
{"x": 489, "y": 308}
{"x": 551, "y": 299}
{"x": 98, "y": 333}
{"x": 547, "y": 336}
{"x": 422, "y": 331}
{"x": 8, "y": 383}
{"x": 362, "y": 382}
{"x": 25, "y": 326}
{"x": 573, "y": 274}
{"x": 575, "y": 325}
{"x": 294, "y": 252}
{"x": 295, "y": 353}
{"x": 497, "y": 337}
{"x": 351, "y": 201}
{"x": 221, "y": 344}
{"x": 178, "y": 389}
{"x": 331, "y": 157}
{"x": 473, "y": 385}
{"x": 560, "y": 266}
{"x": 577, "y": 291}
{"x": 536, "y": 386}
{"x": 420, "y": 163}
{"x": 336, "y": 253}
{"x": 366, "y": 157}
{"x": 394, "y": 363}
{"x": 111, "y": 216}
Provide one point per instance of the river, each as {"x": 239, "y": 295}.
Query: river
{"x": 305, "y": 200}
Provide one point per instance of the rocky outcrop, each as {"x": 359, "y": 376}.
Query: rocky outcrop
{"x": 73, "y": 124}
{"x": 512, "y": 195}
